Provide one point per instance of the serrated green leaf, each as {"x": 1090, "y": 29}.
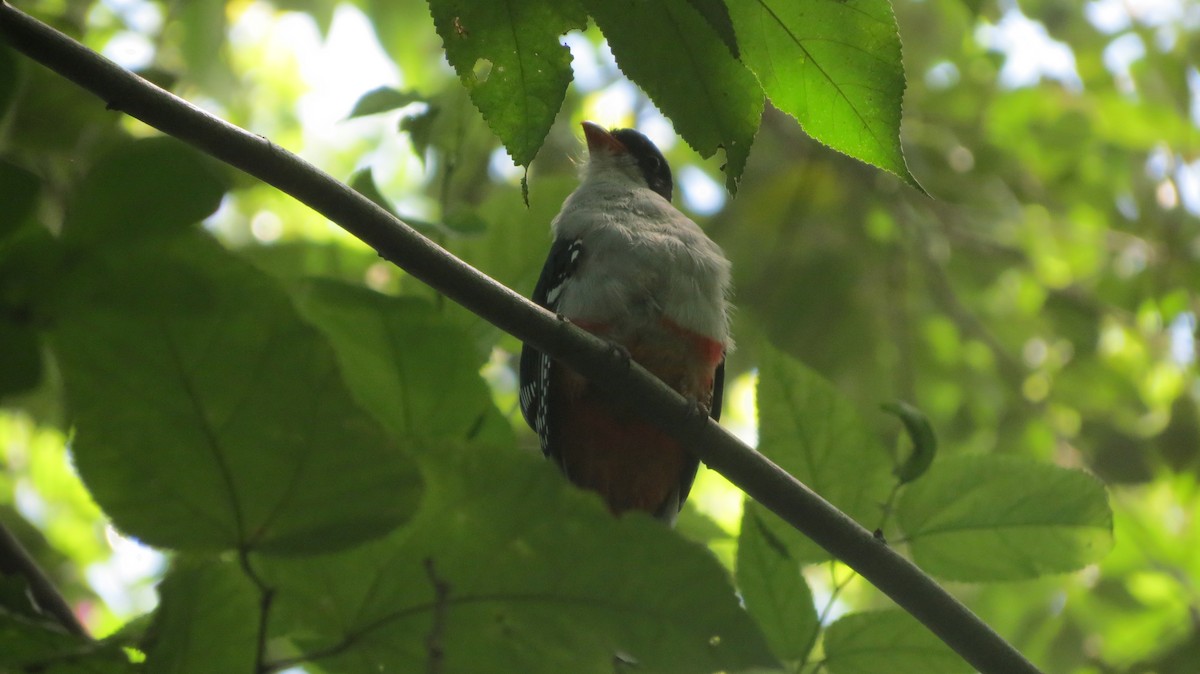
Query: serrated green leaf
{"x": 887, "y": 641}
{"x": 536, "y": 577}
{"x": 209, "y": 416}
{"x": 406, "y": 363}
{"x": 920, "y": 433}
{"x": 983, "y": 518}
{"x": 818, "y": 436}
{"x": 207, "y": 620}
{"x": 155, "y": 185}
{"x": 835, "y": 66}
{"x": 717, "y": 15}
{"x": 383, "y": 99}
{"x": 527, "y": 67}
{"x": 670, "y": 51}
{"x": 775, "y": 591}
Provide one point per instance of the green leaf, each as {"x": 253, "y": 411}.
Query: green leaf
{"x": 887, "y": 641}
{"x": 207, "y": 620}
{"x": 9, "y": 71}
{"x": 209, "y": 416}
{"x": 924, "y": 442}
{"x": 18, "y": 195}
{"x": 383, "y": 99}
{"x": 817, "y": 435}
{"x": 20, "y": 358}
{"x": 508, "y": 54}
{"x": 671, "y": 51}
{"x": 363, "y": 182}
{"x": 202, "y": 25}
{"x": 155, "y": 185}
{"x": 835, "y": 66}
{"x": 717, "y": 15}
{"x": 405, "y": 363}
{"x": 983, "y": 518}
{"x": 775, "y": 591}
{"x": 33, "y": 646}
{"x": 509, "y": 569}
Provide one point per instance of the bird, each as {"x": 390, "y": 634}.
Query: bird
{"x": 627, "y": 266}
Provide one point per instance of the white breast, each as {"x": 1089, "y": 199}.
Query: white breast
{"x": 642, "y": 261}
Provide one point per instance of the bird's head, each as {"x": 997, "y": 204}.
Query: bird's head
{"x": 627, "y": 153}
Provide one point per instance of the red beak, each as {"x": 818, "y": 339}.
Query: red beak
{"x": 599, "y": 138}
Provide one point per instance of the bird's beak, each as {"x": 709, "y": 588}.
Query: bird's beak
{"x": 598, "y": 138}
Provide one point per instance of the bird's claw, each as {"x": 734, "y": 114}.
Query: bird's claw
{"x": 620, "y": 355}
{"x": 698, "y": 410}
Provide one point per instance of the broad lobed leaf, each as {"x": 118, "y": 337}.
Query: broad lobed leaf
{"x": 993, "y": 517}
{"x": 537, "y": 578}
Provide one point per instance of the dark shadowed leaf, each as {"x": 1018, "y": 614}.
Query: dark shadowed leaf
{"x": 406, "y": 363}
{"x": 207, "y": 620}
{"x": 155, "y": 185}
{"x": 32, "y": 646}
{"x": 18, "y": 195}
{"x": 209, "y": 416}
{"x": 535, "y": 577}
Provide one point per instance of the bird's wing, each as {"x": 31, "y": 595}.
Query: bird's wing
{"x": 534, "y": 370}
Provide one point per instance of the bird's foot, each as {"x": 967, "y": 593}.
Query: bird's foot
{"x": 619, "y": 355}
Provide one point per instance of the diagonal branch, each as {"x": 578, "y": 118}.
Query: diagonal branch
{"x": 587, "y": 354}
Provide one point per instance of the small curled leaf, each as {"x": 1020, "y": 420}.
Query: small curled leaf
{"x": 924, "y": 442}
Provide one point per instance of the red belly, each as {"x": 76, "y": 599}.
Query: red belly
{"x": 607, "y": 447}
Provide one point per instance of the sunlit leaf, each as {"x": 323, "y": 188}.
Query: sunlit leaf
{"x": 208, "y": 416}
{"x": 509, "y": 569}
{"x": 978, "y": 518}
{"x": 509, "y": 55}
{"x": 775, "y": 591}
{"x": 817, "y": 435}
{"x": 671, "y": 51}
{"x": 835, "y": 66}
{"x": 887, "y": 641}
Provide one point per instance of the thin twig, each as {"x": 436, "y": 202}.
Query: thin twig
{"x": 266, "y": 595}
{"x": 16, "y": 561}
{"x": 586, "y": 354}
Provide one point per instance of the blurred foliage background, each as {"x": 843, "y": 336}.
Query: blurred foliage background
{"x": 1042, "y": 303}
